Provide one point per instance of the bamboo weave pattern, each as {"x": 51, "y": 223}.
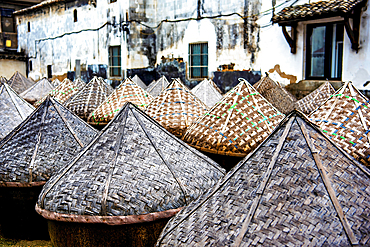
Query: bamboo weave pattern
{"x": 345, "y": 119}
{"x": 133, "y": 167}
{"x": 176, "y": 108}
{"x": 236, "y": 125}
{"x": 287, "y": 205}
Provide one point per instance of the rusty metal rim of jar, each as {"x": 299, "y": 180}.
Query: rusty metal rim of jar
{"x": 109, "y": 220}
{"x": 21, "y": 184}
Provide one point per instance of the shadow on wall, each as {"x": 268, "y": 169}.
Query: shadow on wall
{"x": 226, "y": 80}
{"x": 99, "y": 70}
{"x": 173, "y": 69}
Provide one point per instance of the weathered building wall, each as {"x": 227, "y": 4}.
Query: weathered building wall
{"x": 52, "y": 41}
{"x": 231, "y": 39}
{"x": 356, "y": 66}
{"x": 9, "y": 66}
{"x": 275, "y": 56}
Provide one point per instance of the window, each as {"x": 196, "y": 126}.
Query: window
{"x": 7, "y": 20}
{"x": 198, "y": 60}
{"x": 75, "y": 15}
{"x": 29, "y": 26}
{"x": 324, "y": 51}
{"x": 50, "y": 74}
{"x": 30, "y": 65}
{"x": 112, "y": 1}
{"x": 115, "y": 61}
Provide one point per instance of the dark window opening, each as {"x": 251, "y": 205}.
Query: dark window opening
{"x": 7, "y": 20}
{"x": 75, "y": 15}
{"x": 50, "y": 74}
{"x": 112, "y": 1}
{"x": 29, "y": 26}
{"x": 324, "y": 51}
{"x": 115, "y": 61}
{"x": 30, "y": 65}
{"x": 198, "y": 60}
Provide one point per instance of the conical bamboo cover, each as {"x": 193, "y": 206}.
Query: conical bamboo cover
{"x": 134, "y": 171}
{"x": 13, "y": 109}
{"x": 236, "y": 125}
{"x": 296, "y": 189}
{"x": 345, "y": 118}
{"x": 89, "y": 98}
{"x": 44, "y": 142}
{"x": 20, "y": 83}
{"x": 312, "y": 101}
{"x": 275, "y": 94}
{"x": 176, "y": 108}
{"x": 127, "y": 91}
{"x": 37, "y": 91}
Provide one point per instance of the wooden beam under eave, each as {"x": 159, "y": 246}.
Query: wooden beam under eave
{"x": 354, "y": 31}
{"x": 291, "y": 38}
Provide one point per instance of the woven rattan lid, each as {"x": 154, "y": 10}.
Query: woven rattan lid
{"x": 296, "y": 189}
{"x": 139, "y": 82}
{"x": 19, "y": 83}
{"x": 79, "y": 83}
{"x": 275, "y": 94}
{"x": 3, "y": 80}
{"x": 156, "y": 87}
{"x": 176, "y": 108}
{"x": 62, "y": 92}
{"x": 134, "y": 171}
{"x": 47, "y": 140}
{"x": 55, "y": 83}
{"x": 236, "y": 125}
{"x": 315, "y": 99}
{"x": 37, "y": 91}
{"x": 208, "y": 92}
{"x": 13, "y": 109}
{"x": 345, "y": 118}
{"x": 89, "y": 97}
{"x": 127, "y": 91}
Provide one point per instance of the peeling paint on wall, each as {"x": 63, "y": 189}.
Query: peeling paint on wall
{"x": 291, "y": 78}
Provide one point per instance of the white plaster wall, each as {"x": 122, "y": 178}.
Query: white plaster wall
{"x": 196, "y": 31}
{"x": 274, "y": 49}
{"x": 356, "y": 66}
{"x": 8, "y": 67}
{"x": 91, "y": 47}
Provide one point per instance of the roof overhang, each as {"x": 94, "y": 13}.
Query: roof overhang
{"x": 347, "y": 9}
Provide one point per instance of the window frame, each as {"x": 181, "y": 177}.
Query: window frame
{"x": 75, "y": 18}
{"x": 203, "y": 64}
{"x": 110, "y": 61}
{"x": 328, "y": 51}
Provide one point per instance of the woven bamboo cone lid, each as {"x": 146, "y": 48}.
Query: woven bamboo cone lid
{"x": 236, "y": 125}
{"x": 44, "y": 142}
{"x": 134, "y": 171}
{"x": 156, "y": 87}
{"x": 19, "y": 83}
{"x": 89, "y": 97}
{"x": 208, "y": 92}
{"x": 176, "y": 108}
{"x": 62, "y": 93}
{"x": 278, "y": 96}
{"x": 127, "y": 91}
{"x": 345, "y": 118}
{"x": 296, "y": 189}
{"x": 13, "y": 109}
{"x": 37, "y": 91}
{"x": 316, "y": 98}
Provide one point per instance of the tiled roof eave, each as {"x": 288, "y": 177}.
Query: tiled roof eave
{"x": 316, "y": 11}
{"x": 288, "y": 22}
